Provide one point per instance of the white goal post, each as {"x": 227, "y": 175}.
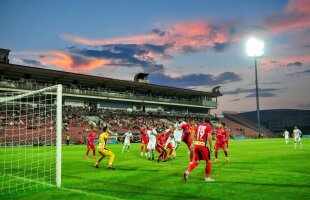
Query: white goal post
{"x": 30, "y": 139}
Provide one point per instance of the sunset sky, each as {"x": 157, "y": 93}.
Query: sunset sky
{"x": 188, "y": 44}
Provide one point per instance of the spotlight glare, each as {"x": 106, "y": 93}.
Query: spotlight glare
{"x": 255, "y": 47}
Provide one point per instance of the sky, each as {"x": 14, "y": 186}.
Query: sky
{"x": 188, "y": 44}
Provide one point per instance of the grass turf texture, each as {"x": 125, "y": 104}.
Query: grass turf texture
{"x": 258, "y": 169}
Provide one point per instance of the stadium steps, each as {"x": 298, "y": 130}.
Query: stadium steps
{"x": 248, "y": 123}
{"x": 95, "y": 120}
{"x": 239, "y": 129}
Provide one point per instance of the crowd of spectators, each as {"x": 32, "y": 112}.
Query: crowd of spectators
{"x": 76, "y": 122}
{"x": 15, "y": 82}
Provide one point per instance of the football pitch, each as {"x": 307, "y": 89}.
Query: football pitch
{"x": 258, "y": 169}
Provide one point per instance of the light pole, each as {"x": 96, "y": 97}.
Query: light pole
{"x": 255, "y": 49}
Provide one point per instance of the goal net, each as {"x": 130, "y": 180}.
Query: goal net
{"x": 30, "y": 139}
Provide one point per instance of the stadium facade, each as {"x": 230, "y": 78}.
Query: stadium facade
{"x": 86, "y": 90}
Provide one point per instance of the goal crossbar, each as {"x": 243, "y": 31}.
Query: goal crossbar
{"x": 38, "y": 111}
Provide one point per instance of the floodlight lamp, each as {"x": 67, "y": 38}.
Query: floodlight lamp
{"x": 255, "y": 47}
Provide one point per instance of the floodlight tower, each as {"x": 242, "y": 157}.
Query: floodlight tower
{"x": 255, "y": 49}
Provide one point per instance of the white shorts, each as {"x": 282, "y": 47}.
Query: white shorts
{"x": 177, "y": 136}
{"x": 286, "y": 138}
{"x": 151, "y": 146}
{"x": 297, "y": 139}
{"x": 127, "y": 143}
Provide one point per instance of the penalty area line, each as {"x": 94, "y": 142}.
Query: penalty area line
{"x": 92, "y": 194}
{"x": 61, "y": 188}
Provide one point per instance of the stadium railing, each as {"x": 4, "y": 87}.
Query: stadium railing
{"x": 35, "y": 86}
{"x": 248, "y": 123}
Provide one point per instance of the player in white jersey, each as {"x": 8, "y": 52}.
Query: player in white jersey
{"x": 286, "y": 136}
{"x": 128, "y": 136}
{"x": 151, "y": 134}
{"x": 170, "y": 143}
{"x": 297, "y": 137}
{"x": 177, "y": 134}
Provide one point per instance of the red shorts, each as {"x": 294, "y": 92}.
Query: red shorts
{"x": 169, "y": 146}
{"x": 159, "y": 149}
{"x": 220, "y": 145}
{"x": 201, "y": 153}
{"x": 186, "y": 138}
{"x": 91, "y": 146}
{"x": 144, "y": 140}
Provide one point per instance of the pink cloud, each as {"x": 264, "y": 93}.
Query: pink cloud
{"x": 196, "y": 34}
{"x": 64, "y": 60}
{"x": 280, "y": 62}
{"x": 295, "y": 16}
{"x": 138, "y": 39}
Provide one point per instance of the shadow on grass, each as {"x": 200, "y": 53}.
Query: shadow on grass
{"x": 265, "y": 184}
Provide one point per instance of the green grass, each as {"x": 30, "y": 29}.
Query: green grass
{"x": 258, "y": 169}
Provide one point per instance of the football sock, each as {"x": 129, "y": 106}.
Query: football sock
{"x": 192, "y": 166}
{"x": 177, "y": 146}
{"x": 226, "y": 153}
{"x": 111, "y": 158}
{"x": 87, "y": 152}
{"x": 191, "y": 155}
{"x": 208, "y": 169}
{"x": 170, "y": 152}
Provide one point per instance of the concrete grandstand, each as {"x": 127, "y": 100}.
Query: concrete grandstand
{"x": 121, "y": 104}
{"x": 118, "y": 103}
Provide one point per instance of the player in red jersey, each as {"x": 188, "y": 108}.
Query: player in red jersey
{"x": 160, "y": 147}
{"x": 170, "y": 141}
{"x": 91, "y": 136}
{"x": 187, "y": 136}
{"x": 203, "y": 136}
{"x": 144, "y": 140}
{"x": 222, "y": 139}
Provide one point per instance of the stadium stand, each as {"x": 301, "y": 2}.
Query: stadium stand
{"x": 246, "y": 123}
{"x": 237, "y": 129}
{"x": 117, "y": 103}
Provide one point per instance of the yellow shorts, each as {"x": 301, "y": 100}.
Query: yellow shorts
{"x": 105, "y": 152}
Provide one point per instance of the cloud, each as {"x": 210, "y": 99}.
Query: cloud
{"x": 192, "y": 80}
{"x": 129, "y": 55}
{"x": 262, "y": 94}
{"x": 184, "y": 37}
{"x": 296, "y": 15}
{"x": 253, "y": 90}
{"x": 266, "y": 83}
{"x": 32, "y": 62}
{"x": 70, "y": 62}
{"x": 220, "y": 47}
{"x": 297, "y": 63}
{"x": 305, "y": 106}
{"x": 300, "y": 73}
{"x": 158, "y": 32}
{"x": 138, "y": 39}
{"x": 271, "y": 83}
{"x": 280, "y": 62}
{"x": 235, "y": 100}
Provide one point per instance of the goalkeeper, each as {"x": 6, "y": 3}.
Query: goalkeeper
{"x": 103, "y": 150}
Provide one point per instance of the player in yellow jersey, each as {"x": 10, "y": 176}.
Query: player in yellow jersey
{"x": 102, "y": 148}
